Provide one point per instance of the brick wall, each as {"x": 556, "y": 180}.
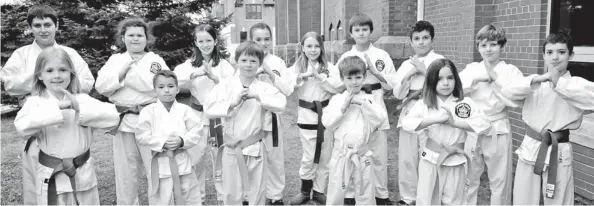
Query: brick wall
{"x": 525, "y": 23}
{"x": 281, "y": 17}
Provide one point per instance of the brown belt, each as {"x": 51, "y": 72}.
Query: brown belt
{"x": 126, "y": 110}
{"x": 173, "y": 166}
{"x": 67, "y": 166}
{"x": 317, "y": 107}
{"x": 548, "y": 137}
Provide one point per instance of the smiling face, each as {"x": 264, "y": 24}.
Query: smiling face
{"x": 166, "y": 88}
{"x": 311, "y": 48}
{"x": 205, "y": 43}
{"x": 135, "y": 39}
{"x": 446, "y": 82}
{"x": 361, "y": 33}
{"x": 421, "y": 42}
{"x": 248, "y": 65}
{"x": 354, "y": 82}
{"x": 55, "y": 75}
{"x": 44, "y": 31}
{"x": 557, "y": 56}
{"x": 489, "y": 50}
{"x": 263, "y": 38}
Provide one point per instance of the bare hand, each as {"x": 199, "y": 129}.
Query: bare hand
{"x": 347, "y": 102}
{"x": 370, "y": 64}
{"x": 450, "y": 119}
{"x": 73, "y": 102}
{"x": 418, "y": 64}
{"x": 357, "y": 100}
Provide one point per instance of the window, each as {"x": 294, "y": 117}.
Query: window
{"x": 220, "y": 11}
{"x": 253, "y": 11}
{"x": 575, "y": 16}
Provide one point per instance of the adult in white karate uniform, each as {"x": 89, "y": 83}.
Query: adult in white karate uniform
{"x": 127, "y": 80}
{"x": 352, "y": 117}
{"x": 408, "y": 85}
{"x": 243, "y": 102}
{"x": 17, "y": 76}
{"x": 482, "y": 82}
{"x": 554, "y": 103}
{"x": 273, "y": 71}
{"x": 63, "y": 120}
{"x": 200, "y": 74}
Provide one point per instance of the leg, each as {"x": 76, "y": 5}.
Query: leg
{"x": 564, "y": 187}
{"x": 229, "y": 184}
{"x": 335, "y": 194}
{"x": 191, "y": 189}
{"x": 275, "y": 167}
{"x": 427, "y": 185}
{"x": 379, "y": 145}
{"x": 127, "y": 168}
{"x": 364, "y": 187}
{"x": 87, "y": 197}
{"x": 408, "y": 164}
{"x": 475, "y": 152}
{"x": 257, "y": 173}
{"x": 499, "y": 168}
{"x": 322, "y": 172}
{"x": 30, "y": 162}
{"x": 526, "y": 185}
{"x": 199, "y": 160}
{"x": 307, "y": 170}
{"x": 454, "y": 179}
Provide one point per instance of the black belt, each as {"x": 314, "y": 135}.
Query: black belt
{"x": 274, "y": 130}
{"x": 126, "y": 110}
{"x": 67, "y": 166}
{"x": 368, "y": 88}
{"x": 548, "y": 137}
{"x": 412, "y": 95}
{"x": 197, "y": 107}
{"x": 317, "y": 107}
{"x": 216, "y": 132}
{"x": 29, "y": 141}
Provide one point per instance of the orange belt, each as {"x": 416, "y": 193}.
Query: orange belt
{"x": 548, "y": 137}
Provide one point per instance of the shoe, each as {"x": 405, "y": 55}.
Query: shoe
{"x": 382, "y": 201}
{"x": 246, "y": 203}
{"x": 305, "y": 193}
{"x": 274, "y": 202}
{"x": 319, "y": 197}
{"x": 349, "y": 201}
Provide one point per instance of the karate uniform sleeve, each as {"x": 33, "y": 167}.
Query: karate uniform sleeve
{"x": 36, "y": 114}
{"x": 412, "y": 120}
{"x": 16, "y": 81}
{"x": 577, "y": 91}
{"x": 520, "y": 89}
{"x": 333, "y": 112}
{"x": 388, "y": 72}
{"x": 374, "y": 113}
{"x": 144, "y": 131}
{"x": 467, "y": 77}
{"x": 513, "y": 74}
{"x": 332, "y": 83}
{"x": 286, "y": 82}
{"x": 108, "y": 80}
{"x": 83, "y": 72}
{"x": 218, "y": 102}
{"x": 96, "y": 114}
{"x": 194, "y": 126}
{"x": 183, "y": 72}
{"x": 273, "y": 100}
{"x": 400, "y": 85}
{"x": 298, "y": 81}
{"x": 142, "y": 79}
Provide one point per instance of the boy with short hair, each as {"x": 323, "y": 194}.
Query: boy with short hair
{"x": 381, "y": 68}
{"x": 352, "y": 117}
{"x": 554, "y": 103}
{"x": 408, "y": 85}
{"x": 482, "y": 82}
{"x": 242, "y": 101}
{"x": 168, "y": 129}
{"x": 17, "y": 76}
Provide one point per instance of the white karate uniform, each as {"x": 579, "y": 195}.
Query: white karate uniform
{"x": 17, "y": 75}
{"x": 135, "y": 91}
{"x": 65, "y": 134}
{"x": 379, "y": 141}
{"x": 275, "y": 169}
{"x": 444, "y": 184}
{"x": 241, "y": 122}
{"x": 409, "y": 144}
{"x": 155, "y": 126}
{"x": 554, "y": 108}
{"x": 199, "y": 88}
{"x": 494, "y": 148}
{"x": 312, "y": 89}
{"x": 351, "y": 159}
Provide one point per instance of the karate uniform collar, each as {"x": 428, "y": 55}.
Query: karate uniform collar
{"x": 370, "y": 48}
{"x": 450, "y": 98}
{"x": 162, "y": 106}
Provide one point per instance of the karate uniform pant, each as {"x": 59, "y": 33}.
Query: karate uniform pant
{"x": 309, "y": 170}
{"x": 408, "y": 165}
{"x": 230, "y": 184}
{"x": 199, "y": 161}
{"x": 189, "y": 187}
{"x": 361, "y": 189}
{"x": 131, "y": 163}
{"x": 275, "y": 166}
{"x": 498, "y": 158}
{"x": 30, "y": 160}
{"x": 451, "y": 183}
{"x": 87, "y": 197}
{"x": 527, "y": 185}
{"x": 378, "y": 144}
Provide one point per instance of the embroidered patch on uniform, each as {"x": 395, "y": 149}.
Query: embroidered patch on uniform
{"x": 276, "y": 72}
{"x": 367, "y": 162}
{"x": 155, "y": 67}
{"x": 463, "y": 110}
{"x": 379, "y": 65}
{"x": 424, "y": 153}
{"x": 46, "y": 181}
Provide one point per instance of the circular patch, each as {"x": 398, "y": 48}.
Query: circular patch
{"x": 276, "y": 72}
{"x": 155, "y": 67}
{"x": 379, "y": 65}
{"x": 463, "y": 110}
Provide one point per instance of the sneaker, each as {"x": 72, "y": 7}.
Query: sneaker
{"x": 382, "y": 201}
{"x": 318, "y": 197}
{"x": 300, "y": 198}
{"x": 274, "y": 202}
{"x": 349, "y": 201}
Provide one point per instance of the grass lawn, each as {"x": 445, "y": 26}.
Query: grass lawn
{"x": 102, "y": 152}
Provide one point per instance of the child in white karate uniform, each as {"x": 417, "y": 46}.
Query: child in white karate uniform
{"x": 63, "y": 119}
{"x": 127, "y": 80}
{"x": 352, "y": 117}
{"x": 242, "y": 102}
{"x": 444, "y": 116}
{"x": 169, "y": 129}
